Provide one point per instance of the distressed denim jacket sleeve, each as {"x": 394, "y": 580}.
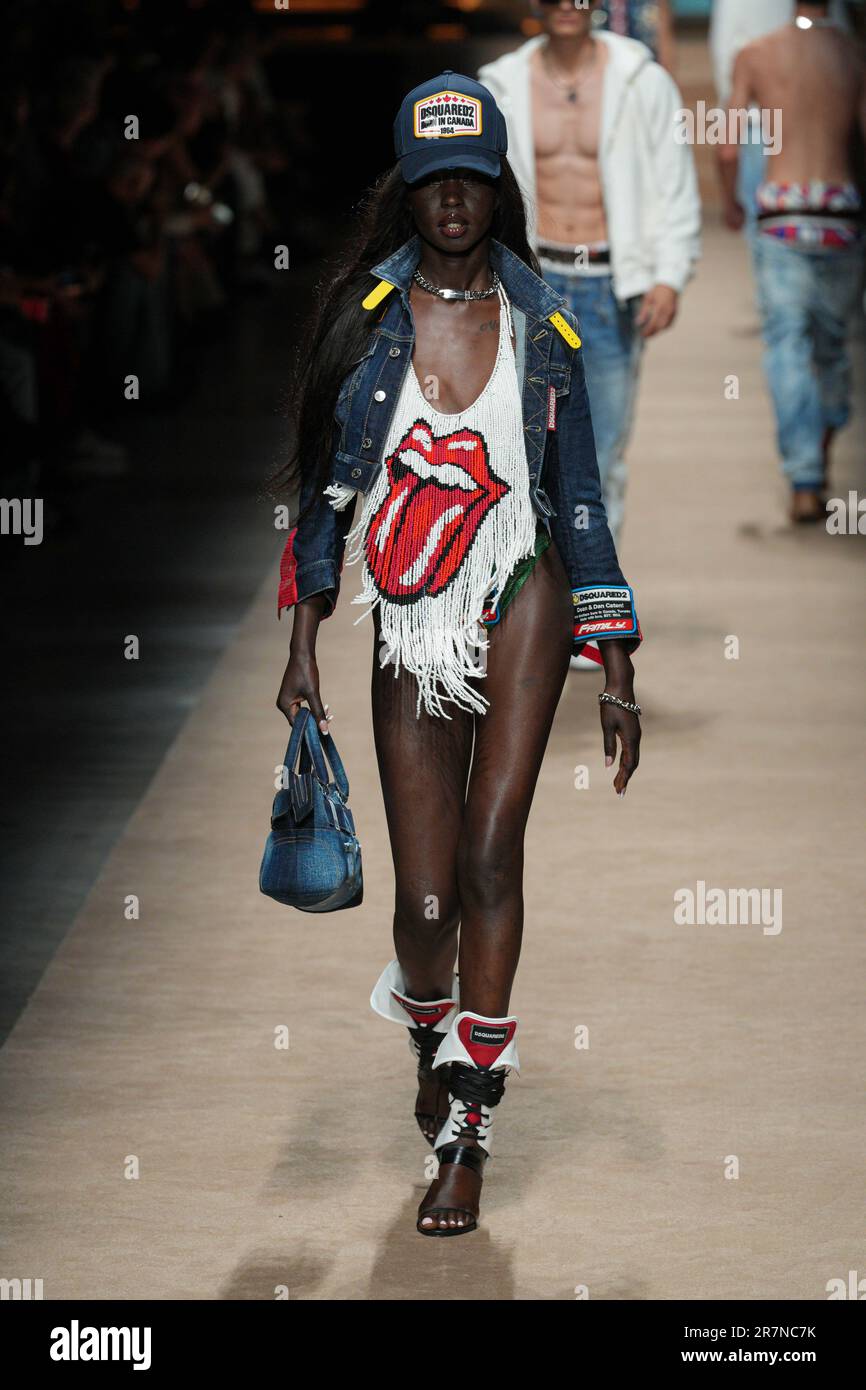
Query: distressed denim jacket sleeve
{"x": 312, "y": 558}
{"x": 603, "y": 600}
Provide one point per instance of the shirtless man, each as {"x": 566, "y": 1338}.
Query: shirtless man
{"x": 733, "y": 24}
{"x": 810, "y": 240}
{"x": 612, "y": 200}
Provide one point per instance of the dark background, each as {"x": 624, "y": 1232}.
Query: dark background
{"x": 158, "y": 521}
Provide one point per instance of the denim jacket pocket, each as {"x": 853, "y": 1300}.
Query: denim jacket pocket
{"x": 560, "y": 377}
{"x": 353, "y": 471}
{"x": 351, "y": 380}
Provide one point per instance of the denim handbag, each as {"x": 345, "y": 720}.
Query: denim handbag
{"x": 312, "y": 857}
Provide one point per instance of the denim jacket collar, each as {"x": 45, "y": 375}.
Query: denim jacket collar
{"x": 522, "y": 285}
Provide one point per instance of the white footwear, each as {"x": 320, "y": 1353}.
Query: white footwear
{"x": 482, "y": 1051}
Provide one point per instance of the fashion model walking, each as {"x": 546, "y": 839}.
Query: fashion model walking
{"x": 612, "y": 196}
{"x": 444, "y": 442}
{"x": 808, "y": 249}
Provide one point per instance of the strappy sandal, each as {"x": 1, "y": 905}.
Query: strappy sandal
{"x": 466, "y": 1155}
{"x": 427, "y": 1024}
{"x": 481, "y": 1052}
{"x": 425, "y": 1044}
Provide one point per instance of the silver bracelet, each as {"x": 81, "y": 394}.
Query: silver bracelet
{"x": 605, "y": 699}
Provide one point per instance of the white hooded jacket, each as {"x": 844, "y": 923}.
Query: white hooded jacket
{"x": 648, "y": 179}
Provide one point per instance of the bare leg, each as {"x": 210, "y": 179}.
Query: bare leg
{"x": 527, "y": 664}
{"x": 423, "y": 766}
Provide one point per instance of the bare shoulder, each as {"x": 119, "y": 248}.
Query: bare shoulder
{"x": 749, "y": 60}
{"x": 759, "y": 50}
{"x": 749, "y": 65}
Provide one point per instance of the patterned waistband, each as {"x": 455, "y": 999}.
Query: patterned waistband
{"x": 814, "y": 196}
{"x": 816, "y": 215}
{"x": 810, "y": 234}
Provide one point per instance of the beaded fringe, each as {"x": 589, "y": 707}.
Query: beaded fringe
{"x": 339, "y": 495}
{"x": 440, "y": 639}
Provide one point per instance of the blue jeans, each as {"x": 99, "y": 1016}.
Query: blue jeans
{"x": 611, "y": 358}
{"x": 805, "y": 300}
{"x": 750, "y": 176}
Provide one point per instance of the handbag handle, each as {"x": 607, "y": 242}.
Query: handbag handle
{"x": 306, "y": 739}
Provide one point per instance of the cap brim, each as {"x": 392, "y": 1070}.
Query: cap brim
{"x": 449, "y": 154}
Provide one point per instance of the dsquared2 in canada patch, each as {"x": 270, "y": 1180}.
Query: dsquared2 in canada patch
{"x": 446, "y": 114}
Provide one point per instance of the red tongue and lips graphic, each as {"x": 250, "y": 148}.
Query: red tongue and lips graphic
{"x": 430, "y": 517}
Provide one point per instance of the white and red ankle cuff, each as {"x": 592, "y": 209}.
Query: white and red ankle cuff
{"x": 478, "y": 1041}
{"x": 390, "y": 1000}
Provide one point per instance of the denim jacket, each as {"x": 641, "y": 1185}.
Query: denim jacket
{"x": 564, "y": 483}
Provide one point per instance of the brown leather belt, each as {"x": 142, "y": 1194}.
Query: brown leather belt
{"x": 570, "y": 257}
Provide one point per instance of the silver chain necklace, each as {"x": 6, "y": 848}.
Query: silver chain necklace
{"x": 456, "y": 294}
{"x": 568, "y": 89}
{"x": 570, "y": 86}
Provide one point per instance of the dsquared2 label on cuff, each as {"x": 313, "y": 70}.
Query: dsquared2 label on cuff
{"x": 488, "y": 1034}
{"x": 604, "y": 611}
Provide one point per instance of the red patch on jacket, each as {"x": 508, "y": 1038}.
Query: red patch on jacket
{"x": 288, "y": 590}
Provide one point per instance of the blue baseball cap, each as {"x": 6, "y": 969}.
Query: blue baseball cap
{"x": 450, "y": 122}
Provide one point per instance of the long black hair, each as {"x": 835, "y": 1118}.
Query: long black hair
{"x": 337, "y": 334}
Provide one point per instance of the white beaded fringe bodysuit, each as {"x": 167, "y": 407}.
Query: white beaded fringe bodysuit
{"x": 446, "y": 520}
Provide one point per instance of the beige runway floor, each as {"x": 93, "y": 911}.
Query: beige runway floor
{"x": 150, "y": 1045}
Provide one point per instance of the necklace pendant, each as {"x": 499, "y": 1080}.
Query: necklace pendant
{"x": 455, "y": 294}
{"x": 572, "y": 97}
